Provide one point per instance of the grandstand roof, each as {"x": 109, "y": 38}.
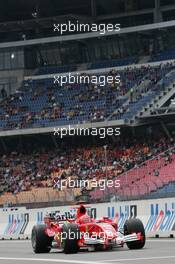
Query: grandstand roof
{"x": 23, "y": 10}
{"x": 35, "y": 18}
{"x": 18, "y": 10}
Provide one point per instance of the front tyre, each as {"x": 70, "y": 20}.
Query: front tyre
{"x": 135, "y": 226}
{"x": 70, "y": 237}
{"x": 41, "y": 243}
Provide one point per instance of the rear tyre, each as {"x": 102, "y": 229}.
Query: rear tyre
{"x": 70, "y": 237}
{"x": 135, "y": 226}
{"x": 41, "y": 243}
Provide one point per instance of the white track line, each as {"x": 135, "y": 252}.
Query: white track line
{"x": 170, "y": 240}
{"x": 84, "y": 262}
{"x": 139, "y": 259}
{"x": 52, "y": 260}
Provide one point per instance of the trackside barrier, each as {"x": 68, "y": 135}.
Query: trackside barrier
{"x": 158, "y": 217}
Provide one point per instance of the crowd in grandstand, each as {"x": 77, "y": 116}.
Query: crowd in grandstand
{"x": 91, "y": 102}
{"x": 48, "y": 102}
{"x": 21, "y": 171}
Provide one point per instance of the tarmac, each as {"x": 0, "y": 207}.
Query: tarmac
{"x": 156, "y": 251}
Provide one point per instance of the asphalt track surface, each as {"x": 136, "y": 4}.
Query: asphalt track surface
{"x": 156, "y": 251}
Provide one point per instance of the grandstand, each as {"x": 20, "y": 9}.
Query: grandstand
{"x": 32, "y": 105}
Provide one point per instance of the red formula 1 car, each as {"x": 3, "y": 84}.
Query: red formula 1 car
{"x": 71, "y": 235}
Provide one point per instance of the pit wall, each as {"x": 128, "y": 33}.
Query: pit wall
{"x": 158, "y": 216}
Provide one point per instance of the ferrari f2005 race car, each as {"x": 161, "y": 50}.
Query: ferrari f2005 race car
{"x": 71, "y": 235}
